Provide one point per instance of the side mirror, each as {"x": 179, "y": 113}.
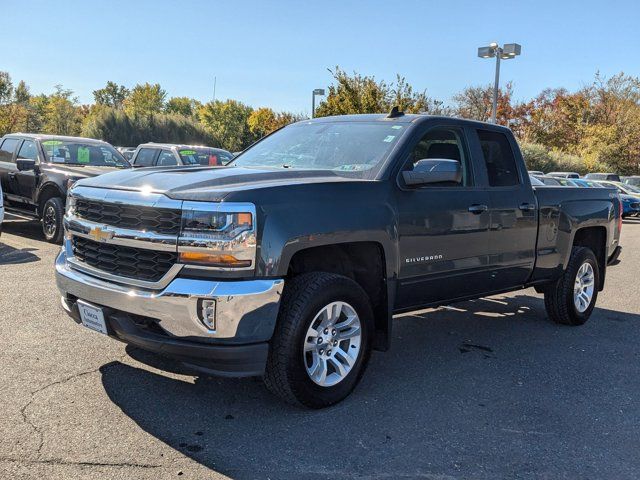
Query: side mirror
{"x": 25, "y": 164}
{"x": 433, "y": 170}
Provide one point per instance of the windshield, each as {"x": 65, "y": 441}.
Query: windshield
{"x": 79, "y": 153}
{"x": 204, "y": 156}
{"x": 357, "y": 148}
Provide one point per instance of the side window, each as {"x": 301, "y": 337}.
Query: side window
{"x": 145, "y": 157}
{"x": 166, "y": 159}
{"x": 28, "y": 150}
{"x": 443, "y": 143}
{"x": 498, "y": 156}
{"x": 7, "y": 148}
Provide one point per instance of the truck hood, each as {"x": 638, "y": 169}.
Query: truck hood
{"x": 208, "y": 183}
{"x": 77, "y": 172}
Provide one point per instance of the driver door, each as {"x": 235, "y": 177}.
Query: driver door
{"x": 27, "y": 180}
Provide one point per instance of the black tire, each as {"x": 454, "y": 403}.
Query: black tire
{"x": 52, "y": 215}
{"x": 304, "y": 297}
{"x": 558, "y": 297}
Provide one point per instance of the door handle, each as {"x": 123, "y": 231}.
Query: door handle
{"x": 12, "y": 174}
{"x": 478, "y": 209}
{"x": 527, "y": 207}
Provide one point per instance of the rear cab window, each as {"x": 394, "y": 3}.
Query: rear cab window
{"x": 499, "y": 159}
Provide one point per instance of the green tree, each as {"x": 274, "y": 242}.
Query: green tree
{"x": 264, "y": 120}
{"x": 363, "y": 94}
{"x": 6, "y": 87}
{"x": 111, "y": 95}
{"x": 183, "y": 106}
{"x": 227, "y": 122}
{"x": 145, "y": 99}
{"x": 60, "y": 113}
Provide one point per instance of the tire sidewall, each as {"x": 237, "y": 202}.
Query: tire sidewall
{"x": 56, "y": 204}
{"x": 585, "y": 256}
{"x": 342, "y": 290}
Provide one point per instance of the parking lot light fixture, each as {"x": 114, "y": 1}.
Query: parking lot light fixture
{"x": 317, "y": 91}
{"x": 506, "y": 52}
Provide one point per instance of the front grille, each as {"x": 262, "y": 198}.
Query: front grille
{"x": 136, "y": 263}
{"x": 161, "y": 220}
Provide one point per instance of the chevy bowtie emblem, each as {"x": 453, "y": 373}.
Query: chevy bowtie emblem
{"x": 100, "y": 235}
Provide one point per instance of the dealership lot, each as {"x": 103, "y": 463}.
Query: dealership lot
{"x": 483, "y": 389}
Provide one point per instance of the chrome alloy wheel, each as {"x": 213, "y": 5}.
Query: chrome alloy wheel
{"x": 332, "y": 344}
{"x": 583, "y": 287}
{"x": 49, "y": 221}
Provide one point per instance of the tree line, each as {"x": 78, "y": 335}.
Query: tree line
{"x": 595, "y": 128}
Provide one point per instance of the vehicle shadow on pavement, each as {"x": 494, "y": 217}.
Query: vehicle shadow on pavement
{"x": 12, "y": 256}
{"x": 31, "y": 229}
{"x": 488, "y": 386}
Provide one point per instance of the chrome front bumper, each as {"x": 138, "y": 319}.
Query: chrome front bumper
{"x": 245, "y": 311}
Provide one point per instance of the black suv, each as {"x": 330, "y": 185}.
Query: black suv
{"x": 169, "y": 154}
{"x": 36, "y": 170}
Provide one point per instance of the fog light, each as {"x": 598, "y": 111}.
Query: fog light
{"x": 208, "y": 313}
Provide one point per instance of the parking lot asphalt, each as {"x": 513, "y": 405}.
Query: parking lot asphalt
{"x": 480, "y": 390}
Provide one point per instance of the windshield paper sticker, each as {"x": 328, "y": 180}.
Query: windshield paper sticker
{"x": 57, "y": 159}
{"x": 389, "y": 138}
{"x": 52, "y": 142}
{"x": 188, "y": 152}
{"x": 83, "y": 155}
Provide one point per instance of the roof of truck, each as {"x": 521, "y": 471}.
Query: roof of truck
{"x": 402, "y": 118}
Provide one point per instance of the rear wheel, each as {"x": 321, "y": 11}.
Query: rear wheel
{"x": 322, "y": 342}
{"x": 52, "y": 214}
{"x": 572, "y": 298}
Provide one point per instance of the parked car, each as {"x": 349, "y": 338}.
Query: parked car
{"x": 36, "y": 170}
{"x": 583, "y": 183}
{"x": 290, "y": 262}
{"x": 547, "y": 180}
{"x": 535, "y": 182}
{"x": 632, "y": 180}
{"x": 567, "y": 182}
{"x": 1, "y": 209}
{"x": 612, "y": 177}
{"x": 127, "y": 152}
{"x": 535, "y": 172}
{"x": 564, "y": 174}
{"x": 629, "y": 195}
{"x": 166, "y": 154}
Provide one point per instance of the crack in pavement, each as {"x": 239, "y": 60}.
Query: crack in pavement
{"x": 58, "y": 461}
{"x": 34, "y": 393}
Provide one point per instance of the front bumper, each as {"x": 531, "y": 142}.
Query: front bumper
{"x": 245, "y": 317}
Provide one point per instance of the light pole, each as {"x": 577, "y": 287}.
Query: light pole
{"x": 507, "y": 52}
{"x": 317, "y": 91}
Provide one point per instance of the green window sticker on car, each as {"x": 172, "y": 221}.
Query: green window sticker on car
{"x": 389, "y": 138}
{"x": 83, "y": 155}
{"x": 52, "y": 142}
{"x": 188, "y": 152}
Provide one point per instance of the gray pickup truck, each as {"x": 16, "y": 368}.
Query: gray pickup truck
{"x": 290, "y": 262}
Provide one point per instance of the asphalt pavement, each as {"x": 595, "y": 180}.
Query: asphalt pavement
{"x": 484, "y": 389}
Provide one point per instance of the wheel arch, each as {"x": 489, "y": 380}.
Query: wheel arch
{"x": 365, "y": 262}
{"x": 48, "y": 190}
{"x": 594, "y": 238}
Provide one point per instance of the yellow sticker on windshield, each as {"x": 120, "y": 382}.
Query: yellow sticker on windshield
{"x": 83, "y": 155}
{"x": 52, "y": 142}
{"x": 188, "y": 152}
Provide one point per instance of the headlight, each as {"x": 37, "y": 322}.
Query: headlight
{"x": 218, "y": 235}
{"x": 70, "y": 207}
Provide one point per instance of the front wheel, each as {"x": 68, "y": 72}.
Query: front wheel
{"x": 572, "y": 298}
{"x": 52, "y": 214}
{"x": 322, "y": 341}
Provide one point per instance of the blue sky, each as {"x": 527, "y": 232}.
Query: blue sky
{"x": 273, "y": 53}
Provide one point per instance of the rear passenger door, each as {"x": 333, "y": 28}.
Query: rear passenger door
{"x": 513, "y": 224}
